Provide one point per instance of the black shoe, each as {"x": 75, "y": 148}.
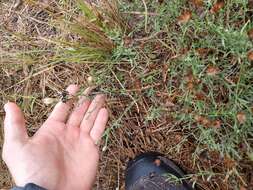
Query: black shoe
{"x": 152, "y": 171}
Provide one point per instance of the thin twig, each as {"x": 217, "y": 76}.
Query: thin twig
{"x": 140, "y": 13}
{"x": 146, "y": 16}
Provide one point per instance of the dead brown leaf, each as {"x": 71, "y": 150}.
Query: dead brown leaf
{"x": 242, "y": 188}
{"x": 241, "y": 117}
{"x": 200, "y": 96}
{"x": 250, "y": 55}
{"x": 203, "y": 52}
{"x": 202, "y": 120}
{"x": 165, "y": 72}
{"x": 137, "y": 85}
{"x": 217, "y": 7}
{"x": 216, "y": 124}
{"x": 184, "y": 17}
{"x": 178, "y": 138}
{"x": 190, "y": 85}
{"x": 212, "y": 71}
{"x": 189, "y": 76}
{"x": 250, "y": 34}
{"x": 190, "y": 80}
{"x": 198, "y": 3}
{"x": 229, "y": 162}
{"x": 128, "y": 41}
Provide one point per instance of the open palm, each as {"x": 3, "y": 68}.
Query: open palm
{"x": 63, "y": 153}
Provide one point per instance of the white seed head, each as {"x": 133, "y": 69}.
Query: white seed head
{"x": 90, "y": 80}
{"x": 48, "y": 101}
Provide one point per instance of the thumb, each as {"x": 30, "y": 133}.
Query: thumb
{"x": 14, "y": 125}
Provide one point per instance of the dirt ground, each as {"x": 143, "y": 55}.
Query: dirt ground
{"x": 29, "y": 84}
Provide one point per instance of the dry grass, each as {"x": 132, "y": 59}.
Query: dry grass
{"x": 169, "y": 88}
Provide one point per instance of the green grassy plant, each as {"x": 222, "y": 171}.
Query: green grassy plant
{"x": 192, "y": 78}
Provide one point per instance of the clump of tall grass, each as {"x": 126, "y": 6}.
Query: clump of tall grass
{"x": 83, "y": 32}
{"x": 90, "y": 25}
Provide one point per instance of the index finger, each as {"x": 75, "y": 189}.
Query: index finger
{"x": 61, "y": 110}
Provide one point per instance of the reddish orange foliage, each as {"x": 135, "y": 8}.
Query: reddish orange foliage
{"x": 211, "y": 71}
{"x": 200, "y": 96}
{"x": 204, "y": 51}
{"x": 217, "y": 7}
{"x": 178, "y": 138}
{"x": 241, "y": 117}
{"x": 184, "y": 17}
{"x": 229, "y": 163}
{"x": 198, "y": 3}
{"x": 202, "y": 120}
{"x": 216, "y": 124}
{"x": 250, "y": 34}
{"x": 250, "y": 55}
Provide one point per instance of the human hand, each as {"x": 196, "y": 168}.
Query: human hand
{"x": 63, "y": 153}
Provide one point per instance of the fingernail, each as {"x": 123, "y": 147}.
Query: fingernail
{"x": 5, "y": 105}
